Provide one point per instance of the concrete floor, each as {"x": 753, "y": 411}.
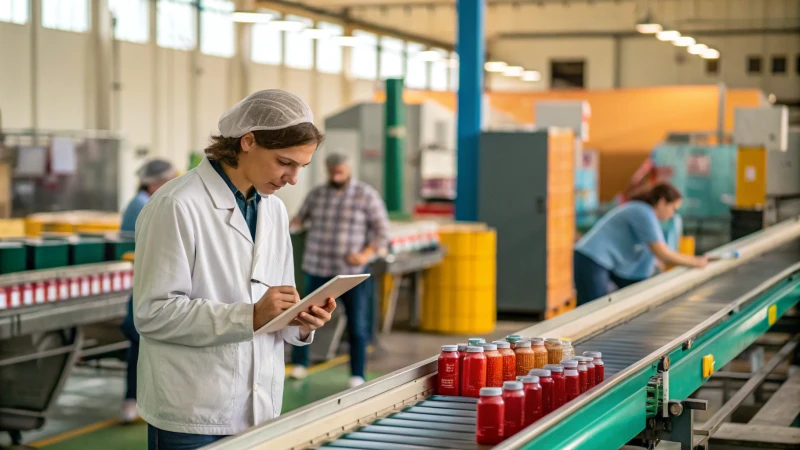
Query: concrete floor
{"x": 86, "y": 415}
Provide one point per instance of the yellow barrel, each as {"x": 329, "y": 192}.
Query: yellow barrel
{"x": 33, "y": 227}
{"x": 459, "y": 294}
{"x": 686, "y": 245}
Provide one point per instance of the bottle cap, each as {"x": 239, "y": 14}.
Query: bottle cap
{"x": 502, "y": 344}
{"x": 449, "y": 348}
{"x": 536, "y": 339}
{"x": 513, "y": 337}
{"x": 582, "y": 359}
{"x": 489, "y": 347}
{"x": 553, "y": 340}
{"x": 491, "y": 392}
{"x": 537, "y": 342}
{"x": 530, "y": 379}
{"x": 512, "y": 386}
{"x": 474, "y": 349}
{"x": 539, "y": 373}
{"x": 583, "y": 368}
{"x": 462, "y": 347}
{"x": 593, "y": 354}
{"x": 554, "y": 368}
{"x": 571, "y": 373}
{"x": 566, "y": 341}
{"x": 476, "y": 341}
{"x": 522, "y": 344}
{"x": 520, "y": 377}
{"x": 569, "y": 364}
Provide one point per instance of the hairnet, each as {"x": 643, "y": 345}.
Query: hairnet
{"x": 335, "y": 159}
{"x": 271, "y": 109}
{"x": 155, "y": 170}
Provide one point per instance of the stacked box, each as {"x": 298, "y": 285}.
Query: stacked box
{"x": 116, "y": 247}
{"x": 560, "y": 219}
{"x": 47, "y": 254}
{"x": 87, "y": 251}
{"x": 13, "y": 257}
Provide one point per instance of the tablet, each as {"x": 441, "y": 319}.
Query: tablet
{"x": 334, "y": 288}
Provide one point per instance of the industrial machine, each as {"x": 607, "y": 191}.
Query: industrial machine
{"x": 42, "y": 318}
{"x": 533, "y": 171}
{"x": 661, "y": 339}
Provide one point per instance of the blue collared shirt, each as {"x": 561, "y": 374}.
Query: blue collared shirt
{"x": 248, "y": 206}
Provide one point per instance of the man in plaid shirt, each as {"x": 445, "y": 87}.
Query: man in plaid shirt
{"x": 347, "y": 226}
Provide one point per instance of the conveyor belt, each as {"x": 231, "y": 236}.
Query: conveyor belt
{"x": 629, "y": 342}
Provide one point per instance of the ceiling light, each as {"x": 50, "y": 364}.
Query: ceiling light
{"x": 710, "y": 54}
{"x": 697, "y": 49}
{"x": 316, "y": 33}
{"x": 668, "y": 36}
{"x": 495, "y": 66}
{"x": 429, "y": 55}
{"x": 345, "y": 41}
{"x": 684, "y": 41}
{"x": 287, "y": 25}
{"x": 514, "y": 71}
{"x": 251, "y": 17}
{"x": 648, "y": 28}
{"x": 531, "y": 75}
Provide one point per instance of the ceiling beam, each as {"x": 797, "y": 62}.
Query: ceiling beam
{"x": 633, "y": 33}
{"x": 344, "y": 18}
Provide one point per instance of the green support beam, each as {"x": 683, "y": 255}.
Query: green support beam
{"x": 395, "y": 135}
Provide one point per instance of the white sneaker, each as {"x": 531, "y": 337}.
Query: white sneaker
{"x": 298, "y": 373}
{"x": 356, "y": 382}
{"x": 129, "y": 413}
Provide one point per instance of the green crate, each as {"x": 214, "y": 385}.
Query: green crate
{"x": 115, "y": 248}
{"x": 47, "y": 254}
{"x": 87, "y": 251}
{"x": 13, "y": 257}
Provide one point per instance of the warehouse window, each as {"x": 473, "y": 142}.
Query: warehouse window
{"x": 176, "y": 24}
{"x": 329, "y": 53}
{"x": 416, "y": 69}
{"x": 217, "y": 33}
{"x": 299, "y": 45}
{"x": 439, "y": 71}
{"x": 753, "y": 64}
{"x": 66, "y": 15}
{"x": 267, "y": 42}
{"x": 567, "y": 74}
{"x": 364, "y": 63}
{"x": 14, "y": 11}
{"x": 132, "y": 19}
{"x": 453, "y": 71}
{"x": 712, "y": 66}
{"x": 779, "y": 64}
{"x": 392, "y": 59}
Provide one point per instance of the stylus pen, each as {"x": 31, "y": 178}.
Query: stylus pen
{"x": 253, "y": 280}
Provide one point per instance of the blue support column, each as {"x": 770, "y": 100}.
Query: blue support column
{"x": 470, "y": 46}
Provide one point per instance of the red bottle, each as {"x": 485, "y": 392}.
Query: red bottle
{"x": 474, "y": 376}
{"x": 599, "y": 366}
{"x": 509, "y": 360}
{"x": 448, "y": 375}
{"x": 572, "y": 384}
{"x": 583, "y": 374}
{"x": 590, "y": 370}
{"x": 533, "y": 399}
{"x": 546, "y": 381}
{"x": 514, "y": 400}
{"x": 559, "y": 393}
{"x": 462, "y": 352}
{"x": 494, "y": 365}
{"x": 491, "y": 417}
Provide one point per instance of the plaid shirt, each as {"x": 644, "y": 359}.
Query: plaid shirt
{"x": 341, "y": 223}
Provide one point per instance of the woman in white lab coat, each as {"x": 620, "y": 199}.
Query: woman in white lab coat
{"x": 208, "y": 245}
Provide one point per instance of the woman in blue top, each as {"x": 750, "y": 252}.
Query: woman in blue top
{"x": 152, "y": 176}
{"x": 624, "y": 245}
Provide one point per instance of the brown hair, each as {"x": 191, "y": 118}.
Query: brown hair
{"x": 226, "y": 150}
{"x": 663, "y": 190}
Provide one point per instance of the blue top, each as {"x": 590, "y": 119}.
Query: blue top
{"x": 619, "y": 241}
{"x": 645, "y": 265}
{"x": 248, "y": 206}
{"x": 132, "y": 211}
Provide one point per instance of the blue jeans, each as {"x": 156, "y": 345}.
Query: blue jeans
{"x": 129, "y": 330}
{"x": 356, "y": 307}
{"x": 168, "y": 440}
{"x": 591, "y": 279}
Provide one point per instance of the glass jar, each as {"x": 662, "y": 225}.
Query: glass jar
{"x": 494, "y": 365}
{"x": 557, "y": 374}
{"x": 509, "y": 360}
{"x": 599, "y": 366}
{"x": 583, "y": 373}
{"x": 567, "y": 350}
{"x": 546, "y": 381}
{"x": 525, "y": 357}
{"x": 491, "y": 420}
{"x": 540, "y": 353}
{"x": 474, "y": 377}
{"x": 590, "y": 369}
{"x": 514, "y": 401}
{"x": 533, "y": 399}
{"x": 572, "y": 384}
{"x": 554, "y": 353}
{"x": 447, "y": 375}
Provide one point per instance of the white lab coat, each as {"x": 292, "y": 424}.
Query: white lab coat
{"x": 201, "y": 368}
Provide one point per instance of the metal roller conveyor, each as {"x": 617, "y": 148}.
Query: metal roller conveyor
{"x": 660, "y": 339}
